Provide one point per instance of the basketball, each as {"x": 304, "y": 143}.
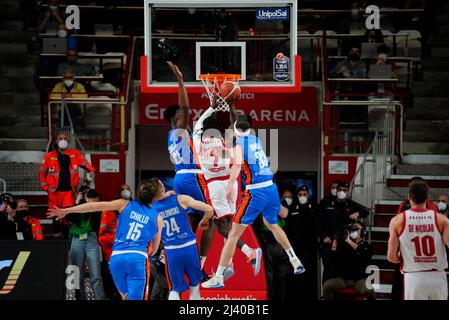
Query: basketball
{"x": 230, "y": 91}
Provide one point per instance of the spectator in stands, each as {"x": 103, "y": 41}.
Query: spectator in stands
{"x": 51, "y": 18}
{"x": 106, "y": 237}
{"x": 352, "y": 67}
{"x": 84, "y": 245}
{"x": 443, "y": 204}
{"x": 276, "y": 261}
{"x": 72, "y": 64}
{"x": 326, "y": 211}
{"x": 59, "y": 174}
{"x": 382, "y": 58}
{"x": 68, "y": 87}
{"x": 22, "y": 227}
{"x": 373, "y": 36}
{"x": 301, "y": 230}
{"x": 125, "y": 192}
{"x": 351, "y": 257}
{"x": 23, "y": 211}
{"x": 355, "y": 22}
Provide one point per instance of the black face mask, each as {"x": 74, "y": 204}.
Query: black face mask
{"x": 354, "y": 57}
{"x": 22, "y": 213}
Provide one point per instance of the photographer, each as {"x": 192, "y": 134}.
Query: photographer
{"x": 84, "y": 246}
{"x": 7, "y": 224}
{"x": 23, "y": 211}
{"x": 351, "y": 257}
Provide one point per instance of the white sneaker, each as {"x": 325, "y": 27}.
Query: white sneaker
{"x": 213, "y": 283}
{"x": 255, "y": 260}
{"x": 228, "y": 273}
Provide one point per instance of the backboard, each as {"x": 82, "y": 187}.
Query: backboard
{"x": 254, "y": 38}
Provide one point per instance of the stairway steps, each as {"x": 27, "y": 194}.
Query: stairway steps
{"x": 10, "y": 5}
{"x": 20, "y": 59}
{"x": 23, "y": 144}
{"x": 13, "y": 48}
{"x": 17, "y": 85}
{"x": 382, "y": 219}
{"x": 435, "y": 125}
{"x": 17, "y": 72}
{"x": 23, "y": 102}
{"x": 437, "y": 75}
{"x": 15, "y": 36}
{"x": 429, "y": 88}
{"x": 436, "y": 64}
{"x": 423, "y": 169}
{"x": 22, "y": 132}
{"x": 428, "y": 148}
{"x": 13, "y": 25}
{"x": 21, "y": 120}
{"x": 439, "y": 52}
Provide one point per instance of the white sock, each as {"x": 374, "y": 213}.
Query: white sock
{"x": 174, "y": 296}
{"x": 291, "y": 254}
{"x": 195, "y": 293}
{"x": 247, "y": 251}
{"x": 203, "y": 261}
{"x": 220, "y": 271}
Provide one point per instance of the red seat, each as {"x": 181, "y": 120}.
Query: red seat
{"x": 348, "y": 294}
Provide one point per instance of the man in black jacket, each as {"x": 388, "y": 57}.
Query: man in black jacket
{"x": 352, "y": 255}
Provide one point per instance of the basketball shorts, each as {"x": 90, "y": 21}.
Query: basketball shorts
{"x": 255, "y": 201}
{"x": 183, "y": 261}
{"x": 193, "y": 185}
{"x": 130, "y": 272}
{"x": 217, "y": 191}
{"x": 428, "y": 285}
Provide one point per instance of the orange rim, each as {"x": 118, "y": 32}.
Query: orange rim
{"x": 220, "y": 77}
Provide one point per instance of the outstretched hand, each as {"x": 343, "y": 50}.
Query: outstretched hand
{"x": 175, "y": 70}
{"x": 57, "y": 213}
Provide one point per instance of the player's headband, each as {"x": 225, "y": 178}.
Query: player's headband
{"x": 240, "y": 133}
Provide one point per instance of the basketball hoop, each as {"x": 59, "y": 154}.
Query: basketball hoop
{"x": 212, "y": 84}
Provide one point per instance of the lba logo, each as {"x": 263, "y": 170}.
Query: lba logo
{"x": 15, "y": 271}
{"x": 272, "y": 14}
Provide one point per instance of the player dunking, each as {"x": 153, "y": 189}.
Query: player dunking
{"x": 215, "y": 164}
{"x": 417, "y": 239}
{"x": 137, "y": 226}
{"x": 261, "y": 195}
{"x": 181, "y": 251}
{"x": 189, "y": 180}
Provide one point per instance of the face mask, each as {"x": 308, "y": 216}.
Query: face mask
{"x": 334, "y": 191}
{"x": 302, "y": 200}
{"x": 191, "y": 10}
{"x": 442, "y": 206}
{"x": 355, "y": 12}
{"x": 354, "y": 57}
{"x": 341, "y": 195}
{"x": 68, "y": 83}
{"x": 62, "y": 33}
{"x": 125, "y": 194}
{"x": 353, "y": 235}
{"x": 289, "y": 201}
{"x": 382, "y": 56}
{"x": 63, "y": 144}
{"x": 22, "y": 213}
{"x": 53, "y": 8}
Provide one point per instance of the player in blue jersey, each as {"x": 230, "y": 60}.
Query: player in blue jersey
{"x": 181, "y": 251}
{"x": 260, "y": 196}
{"x": 138, "y": 227}
{"x": 189, "y": 179}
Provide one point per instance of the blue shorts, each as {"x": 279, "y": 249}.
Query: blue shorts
{"x": 263, "y": 200}
{"x": 193, "y": 185}
{"x": 180, "y": 262}
{"x": 129, "y": 272}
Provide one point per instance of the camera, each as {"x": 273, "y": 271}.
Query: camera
{"x": 346, "y": 230}
{"x": 169, "y": 50}
{"x": 7, "y": 198}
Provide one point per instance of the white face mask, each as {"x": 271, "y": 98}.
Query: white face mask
{"x": 68, "y": 83}
{"x": 289, "y": 201}
{"x": 302, "y": 200}
{"x": 355, "y": 12}
{"x": 341, "y": 195}
{"x": 353, "y": 235}
{"x": 442, "y": 206}
{"x": 382, "y": 56}
{"x": 63, "y": 144}
{"x": 334, "y": 191}
{"x": 125, "y": 194}
{"x": 62, "y": 33}
{"x": 191, "y": 10}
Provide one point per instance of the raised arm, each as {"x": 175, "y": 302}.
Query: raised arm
{"x": 198, "y": 129}
{"x": 189, "y": 202}
{"x": 116, "y": 205}
{"x": 183, "y": 98}
{"x": 232, "y": 113}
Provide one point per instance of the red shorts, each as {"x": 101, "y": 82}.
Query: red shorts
{"x": 61, "y": 199}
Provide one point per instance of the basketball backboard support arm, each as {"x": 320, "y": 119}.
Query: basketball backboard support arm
{"x": 294, "y": 85}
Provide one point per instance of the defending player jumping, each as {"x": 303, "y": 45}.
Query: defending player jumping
{"x": 261, "y": 195}
{"x": 138, "y": 226}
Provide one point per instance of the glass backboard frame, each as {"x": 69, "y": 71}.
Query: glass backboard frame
{"x": 293, "y": 85}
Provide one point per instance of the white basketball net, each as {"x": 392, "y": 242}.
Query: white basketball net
{"x": 212, "y": 84}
